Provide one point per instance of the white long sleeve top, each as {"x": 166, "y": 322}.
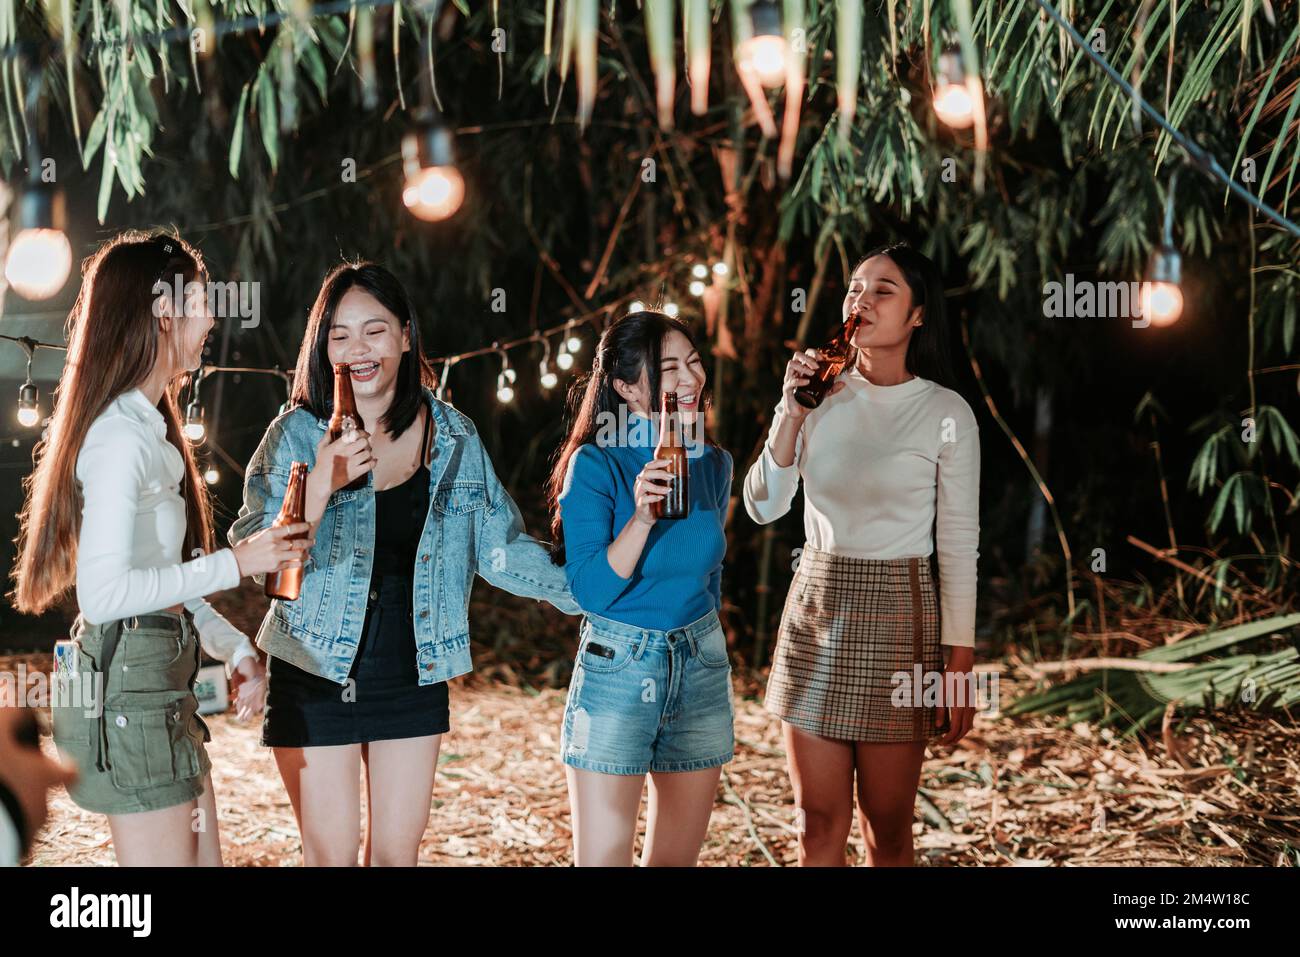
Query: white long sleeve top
{"x": 881, "y": 467}
{"x": 129, "y": 559}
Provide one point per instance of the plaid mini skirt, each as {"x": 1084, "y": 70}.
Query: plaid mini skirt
{"x": 857, "y": 636}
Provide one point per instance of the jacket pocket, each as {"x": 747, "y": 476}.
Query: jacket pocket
{"x": 150, "y": 742}
{"x": 459, "y": 498}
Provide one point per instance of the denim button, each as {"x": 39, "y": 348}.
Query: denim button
{"x": 121, "y": 721}
{"x": 373, "y": 595}
{"x": 424, "y": 558}
{"x": 425, "y": 613}
{"x": 429, "y": 666}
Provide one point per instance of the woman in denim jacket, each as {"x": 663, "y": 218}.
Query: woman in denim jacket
{"x": 359, "y": 663}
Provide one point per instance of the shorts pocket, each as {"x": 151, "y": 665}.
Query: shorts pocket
{"x": 711, "y": 649}
{"x": 601, "y": 654}
{"x": 149, "y": 738}
{"x": 150, "y": 649}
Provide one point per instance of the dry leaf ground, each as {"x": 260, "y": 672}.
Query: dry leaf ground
{"x": 1014, "y": 792}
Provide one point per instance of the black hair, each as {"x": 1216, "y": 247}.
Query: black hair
{"x": 313, "y": 381}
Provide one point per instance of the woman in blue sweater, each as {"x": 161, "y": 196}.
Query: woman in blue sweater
{"x": 651, "y": 687}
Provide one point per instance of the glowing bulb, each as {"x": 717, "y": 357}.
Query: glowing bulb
{"x": 505, "y": 393}
{"x": 670, "y": 309}
{"x": 954, "y": 104}
{"x": 194, "y": 431}
{"x": 28, "y": 417}
{"x": 38, "y": 263}
{"x": 1162, "y": 302}
{"x": 29, "y": 412}
{"x": 564, "y": 360}
{"x": 765, "y": 55}
{"x": 696, "y": 287}
{"x": 637, "y": 306}
{"x": 549, "y": 378}
{"x": 573, "y": 344}
{"x": 211, "y": 476}
{"x": 720, "y": 269}
{"x": 434, "y": 193}
{"x": 700, "y": 271}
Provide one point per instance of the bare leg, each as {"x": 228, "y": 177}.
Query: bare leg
{"x": 888, "y": 775}
{"x": 604, "y": 810}
{"x": 684, "y": 802}
{"x": 206, "y": 824}
{"x": 399, "y": 787}
{"x": 324, "y": 786}
{"x": 164, "y": 838}
{"x": 821, "y": 773}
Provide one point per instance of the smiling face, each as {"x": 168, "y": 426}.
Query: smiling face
{"x": 185, "y": 330}
{"x": 370, "y": 339}
{"x": 881, "y": 298}
{"x": 681, "y": 370}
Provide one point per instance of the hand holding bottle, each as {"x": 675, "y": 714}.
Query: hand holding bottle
{"x": 651, "y": 486}
{"x": 798, "y": 373}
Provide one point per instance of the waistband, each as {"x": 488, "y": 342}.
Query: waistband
{"x": 808, "y": 552}
{"x": 696, "y": 629}
{"x": 169, "y": 621}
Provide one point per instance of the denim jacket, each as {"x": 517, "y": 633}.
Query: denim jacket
{"x": 473, "y": 526}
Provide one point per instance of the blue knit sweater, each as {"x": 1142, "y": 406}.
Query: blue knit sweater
{"x": 678, "y": 577}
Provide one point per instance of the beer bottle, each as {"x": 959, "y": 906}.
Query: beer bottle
{"x": 345, "y": 414}
{"x": 677, "y": 503}
{"x": 286, "y": 583}
{"x": 831, "y": 360}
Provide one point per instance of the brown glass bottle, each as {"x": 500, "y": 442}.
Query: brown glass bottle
{"x": 677, "y": 503}
{"x": 345, "y": 414}
{"x": 832, "y": 359}
{"x": 286, "y": 583}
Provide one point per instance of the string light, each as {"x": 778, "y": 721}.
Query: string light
{"x": 720, "y": 269}
{"x": 572, "y": 342}
{"x": 764, "y": 53}
{"x": 40, "y": 256}
{"x": 696, "y": 287}
{"x": 547, "y": 378}
{"x": 211, "y": 476}
{"x": 636, "y": 306}
{"x": 670, "y": 310}
{"x": 700, "y": 271}
{"x": 29, "y": 412}
{"x": 434, "y": 188}
{"x": 505, "y": 379}
{"x": 194, "y": 427}
{"x": 955, "y": 92}
{"x": 1162, "y": 299}
{"x": 564, "y": 358}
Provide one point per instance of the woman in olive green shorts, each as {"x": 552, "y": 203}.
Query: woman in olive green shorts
{"x": 115, "y": 503}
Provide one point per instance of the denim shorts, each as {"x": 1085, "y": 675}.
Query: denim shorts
{"x": 647, "y": 700}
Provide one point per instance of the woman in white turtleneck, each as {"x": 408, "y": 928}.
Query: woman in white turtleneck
{"x": 890, "y": 467}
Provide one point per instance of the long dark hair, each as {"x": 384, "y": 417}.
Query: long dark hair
{"x": 627, "y": 346}
{"x": 112, "y": 335}
{"x": 313, "y": 380}
{"x": 927, "y": 350}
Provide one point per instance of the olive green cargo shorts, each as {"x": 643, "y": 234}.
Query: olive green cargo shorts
{"x": 133, "y": 730}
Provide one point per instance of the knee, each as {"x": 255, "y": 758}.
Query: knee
{"x": 823, "y": 829}
{"x": 318, "y": 851}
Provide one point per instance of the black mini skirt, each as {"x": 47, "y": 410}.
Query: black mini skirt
{"x": 383, "y": 700}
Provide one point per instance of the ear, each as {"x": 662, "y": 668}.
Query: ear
{"x": 625, "y": 391}
{"x": 406, "y": 337}
{"x": 917, "y": 315}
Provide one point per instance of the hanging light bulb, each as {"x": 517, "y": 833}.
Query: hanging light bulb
{"x": 1162, "y": 297}
{"x": 505, "y": 380}
{"x": 434, "y": 188}
{"x": 564, "y": 358}
{"x": 548, "y": 379}
{"x": 29, "y": 411}
{"x": 954, "y": 94}
{"x": 211, "y": 476}
{"x": 765, "y": 51}
{"x": 670, "y": 310}
{"x": 637, "y": 306}
{"x": 40, "y": 256}
{"x": 29, "y": 397}
{"x": 700, "y": 271}
{"x": 696, "y": 287}
{"x": 572, "y": 342}
{"x": 194, "y": 428}
{"x": 720, "y": 269}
